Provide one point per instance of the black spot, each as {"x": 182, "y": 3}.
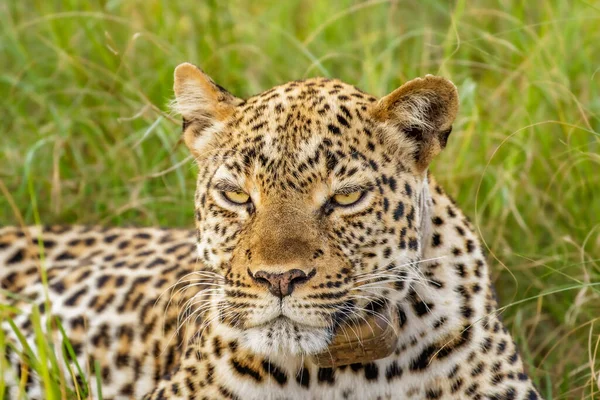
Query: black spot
{"x": 356, "y": 367}
{"x": 486, "y": 345}
{"x": 110, "y": 238}
{"x": 102, "y": 281}
{"x": 470, "y": 246}
{"x": 326, "y": 375}
{"x": 478, "y": 369}
{"x": 243, "y": 370}
{"x": 421, "y": 307}
{"x": 275, "y": 372}
{"x": 456, "y": 385}
{"x": 75, "y": 297}
{"x": 451, "y": 212}
{"x": 217, "y": 347}
{"x": 65, "y": 256}
{"x": 439, "y": 351}
{"x": 387, "y": 252}
{"x": 466, "y": 311}
{"x": 460, "y": 269}
{"x": 393, "y": 371}
{"x": 399, "y": 211}
{"x": 401, "y": 316}
{"x": 157, "y": 261}
{"x": 371, "y": 371}
{"x": 346, "y": 111}
{"x": 434, "y": 394}
{"x": 175, "y": 388}
{"x": 392, "y": 184}
{"x": 303, "y": 377}
{"x": 501, "y": 347}
{"x": 122, "y": 360}
{"x": 436, "y": 240}
{"x": 58, "y": 287}
{"x": 77, "y": 322}
{"x": 334, "y": 129}
{"x": 343, "y": 121}
{"x": 413, "y": 244}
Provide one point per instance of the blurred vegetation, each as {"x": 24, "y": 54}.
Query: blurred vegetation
{"x": 85, "y": 136}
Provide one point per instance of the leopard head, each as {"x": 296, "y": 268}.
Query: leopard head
{"x": 309, "y": 200}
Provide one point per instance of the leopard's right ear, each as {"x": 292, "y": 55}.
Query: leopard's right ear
{"x": 203, "y": 104}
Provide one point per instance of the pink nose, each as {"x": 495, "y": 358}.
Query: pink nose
{"x": 282, "y": 284}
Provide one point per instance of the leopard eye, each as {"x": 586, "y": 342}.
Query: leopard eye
{"x": 347, "y": 199}
{"x": 237, "y": 197}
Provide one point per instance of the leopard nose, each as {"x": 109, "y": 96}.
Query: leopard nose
{"x": 282, "y": 284}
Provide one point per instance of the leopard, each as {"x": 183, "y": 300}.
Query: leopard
{"x": 325, "y": 262}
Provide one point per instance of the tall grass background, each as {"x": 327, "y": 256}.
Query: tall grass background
{"x": 85, "y": 136}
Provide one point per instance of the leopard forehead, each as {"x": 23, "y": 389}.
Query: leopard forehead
{"x": 295, "y": 119}
{"x": 321, "y": 98}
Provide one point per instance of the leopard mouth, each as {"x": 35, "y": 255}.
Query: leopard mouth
{"x": 283, "y": 319}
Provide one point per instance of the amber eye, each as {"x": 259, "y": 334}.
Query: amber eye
{"x": 347, "y": 199}
{"x": 237, "y": 197}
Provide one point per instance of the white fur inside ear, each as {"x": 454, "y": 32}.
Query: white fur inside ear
{"x": 415, "y": 111}
{"x": 192, "y": 102}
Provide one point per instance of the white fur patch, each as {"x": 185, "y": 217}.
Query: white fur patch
{"x": 308, "y": 148}
{"x": 191, "y": 101}
{"x": 415, "y": 111}
{"x": 283, "y": 336}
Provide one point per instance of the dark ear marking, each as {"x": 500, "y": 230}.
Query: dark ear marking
{"x": 185, "y": 124}
{"x": 444, "y": 137}
{"x": 414, "y": 132}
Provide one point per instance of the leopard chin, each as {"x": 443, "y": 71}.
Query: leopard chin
{"x": 286, "y": 337}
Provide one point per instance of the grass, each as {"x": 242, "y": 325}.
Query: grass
{"x": 84, "y": 131}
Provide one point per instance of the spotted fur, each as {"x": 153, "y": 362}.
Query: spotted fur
{"x": 245, "y": 331}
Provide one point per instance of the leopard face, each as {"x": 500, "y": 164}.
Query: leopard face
{"x": 308, "y": 202}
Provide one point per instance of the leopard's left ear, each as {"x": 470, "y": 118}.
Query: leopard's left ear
{"x": 203, "y": 104}
{"x": 419, "y": 113}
